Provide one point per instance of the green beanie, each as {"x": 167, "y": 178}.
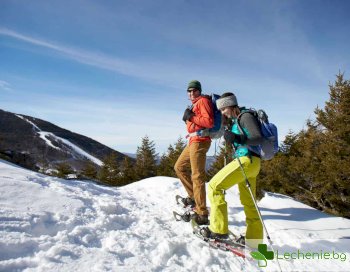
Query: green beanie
{"x": 195, "y": 84}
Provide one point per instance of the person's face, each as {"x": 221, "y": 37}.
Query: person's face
{"x": 227, "y": 111}
{"x": 193, "y": 93}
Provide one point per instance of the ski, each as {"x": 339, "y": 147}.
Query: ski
{"x": 222, "y": 244}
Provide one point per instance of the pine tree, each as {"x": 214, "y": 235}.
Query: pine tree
{"x": 288, "y": 143}
{"x": 173, "y": 156}
{"x": 336, "y": 115}
{"x": 127, "y": 172}
{"x": 168, "y": 160}
{"x": 146, "y": 159}
{"x": 110, "y": 172}
{"x": 224, "y": 157}
{"x": 89, "y": 170}
{"x": 314, "y": 165}
{"x": 64, "y": 169}
{"x": 179, "y": 147}
{"x": 164, "y": 166}
{"x": 334, "y": 121}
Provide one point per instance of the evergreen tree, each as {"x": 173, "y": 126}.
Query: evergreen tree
{"x": 168, "y": 160}
{"x": 179, "y": 147}
{"x": 164, "y": 166}
{"x": 336, "y": 115}
{"x": 223, "y": 158}
{"x": 288, "y": 143}
{"x": 127, "y": 172}
{"x": 314, "y": 165}
{"x": 109, "y": 172}
{"x": 64, "y": 169}
{"x": 89, "y": 170}
{"x": 334, "y": 120}
{"x": 173, "y": 156}
{"x": 146, "y": 159}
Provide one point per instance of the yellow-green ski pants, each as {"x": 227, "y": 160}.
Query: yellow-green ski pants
{"x": 228, "y": 176}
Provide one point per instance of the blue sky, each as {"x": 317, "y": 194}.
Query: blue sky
{"x": 116, "y": 71}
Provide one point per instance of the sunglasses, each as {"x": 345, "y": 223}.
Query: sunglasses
{"x": 191, "y": 90}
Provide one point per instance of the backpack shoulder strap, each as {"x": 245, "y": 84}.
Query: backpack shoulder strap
{"x": 239, "y": 125}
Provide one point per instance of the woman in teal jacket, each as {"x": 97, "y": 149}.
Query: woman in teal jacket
{"x": 242, "y": 136}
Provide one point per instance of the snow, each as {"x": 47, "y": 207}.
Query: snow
{"x": 51, "y": 224}
{"x": 47, "y": 135}
{"x": 80, "y": 151}
{"x": 28, "y": 121}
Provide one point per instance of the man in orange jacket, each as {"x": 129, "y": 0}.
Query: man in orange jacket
{"x": 200, "y": 116}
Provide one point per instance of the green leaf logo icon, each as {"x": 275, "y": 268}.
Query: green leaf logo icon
{"x": 262, "y": 262}
{"x": 263, "y": 250}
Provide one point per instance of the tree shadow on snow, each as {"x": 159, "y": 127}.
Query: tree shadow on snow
{"x": 289, "y": 214}
{"x": 294, "y": 214}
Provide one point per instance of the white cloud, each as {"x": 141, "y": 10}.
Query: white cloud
{"x": 78, "y": 54}
{"x": 156, "y": 71}
{"x": 216, "y": 75}
{"x": 125, "y": 126}
{"x": 163, "y": 71}
{"x": 4, "y": 85}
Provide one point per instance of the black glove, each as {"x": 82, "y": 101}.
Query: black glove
{"x": 229, "y": 136}
{"x": 187, "y": 115}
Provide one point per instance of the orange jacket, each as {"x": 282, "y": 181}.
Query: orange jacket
{"x": 203, "y": 118}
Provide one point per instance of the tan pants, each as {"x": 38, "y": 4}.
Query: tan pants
{"x": 194, "y": 156}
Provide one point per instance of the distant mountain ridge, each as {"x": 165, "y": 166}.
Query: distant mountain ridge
{"x": 35, "y": 143}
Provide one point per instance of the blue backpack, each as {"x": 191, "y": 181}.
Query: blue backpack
{"x": 218, "y": 129}
{"x": 269, "y": 146}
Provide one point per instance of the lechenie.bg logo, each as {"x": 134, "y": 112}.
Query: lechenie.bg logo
{"x": 262, "y": 255}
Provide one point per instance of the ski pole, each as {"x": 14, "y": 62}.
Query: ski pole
{"x": 256, "y": 207}
{"x": 253, "y": 198}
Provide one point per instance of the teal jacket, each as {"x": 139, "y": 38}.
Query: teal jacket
{"x": 251, "y": 134}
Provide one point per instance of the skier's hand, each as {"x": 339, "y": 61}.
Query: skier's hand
{"x": 229, "y": 137}
{"x": 187, "y": 115}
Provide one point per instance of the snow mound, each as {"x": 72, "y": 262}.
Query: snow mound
{"x": 51, "y": 224}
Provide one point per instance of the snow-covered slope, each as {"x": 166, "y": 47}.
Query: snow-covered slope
{"x": 48, "y": 137}
{"x": 50, "y": 224}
